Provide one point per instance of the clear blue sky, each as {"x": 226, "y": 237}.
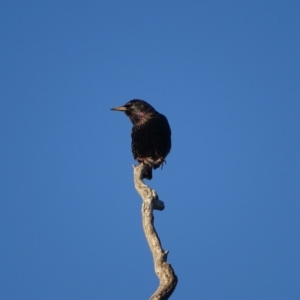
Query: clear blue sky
{"x": 227, "y": 76}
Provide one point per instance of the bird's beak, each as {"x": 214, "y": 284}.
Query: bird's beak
{"x": 119, "y": 108}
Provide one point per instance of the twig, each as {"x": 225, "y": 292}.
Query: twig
{"x": 164, "y": 271}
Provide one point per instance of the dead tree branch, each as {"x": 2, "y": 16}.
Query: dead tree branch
{"x": 164, "y": 271}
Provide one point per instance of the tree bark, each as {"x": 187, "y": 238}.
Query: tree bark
{"x": 164, "y": 271}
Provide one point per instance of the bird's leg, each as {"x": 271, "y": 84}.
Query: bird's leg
{"x": 163, "y": 163}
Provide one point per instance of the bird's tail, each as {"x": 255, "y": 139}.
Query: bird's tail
{"x": 148, "y": 173}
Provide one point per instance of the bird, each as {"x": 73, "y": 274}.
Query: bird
{"x": 150, "y": 134}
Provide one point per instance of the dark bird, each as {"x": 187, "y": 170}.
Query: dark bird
{"x": 151, "y": 134}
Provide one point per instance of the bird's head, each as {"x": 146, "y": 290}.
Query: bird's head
{"x": 139, "y": 111}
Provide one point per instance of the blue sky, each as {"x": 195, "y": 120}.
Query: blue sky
{"x": 225, "y": 73}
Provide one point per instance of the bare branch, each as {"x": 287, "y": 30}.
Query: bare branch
{"x": 164, "y": 271}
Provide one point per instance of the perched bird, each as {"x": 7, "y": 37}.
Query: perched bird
{"x": 151, "y": 134}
